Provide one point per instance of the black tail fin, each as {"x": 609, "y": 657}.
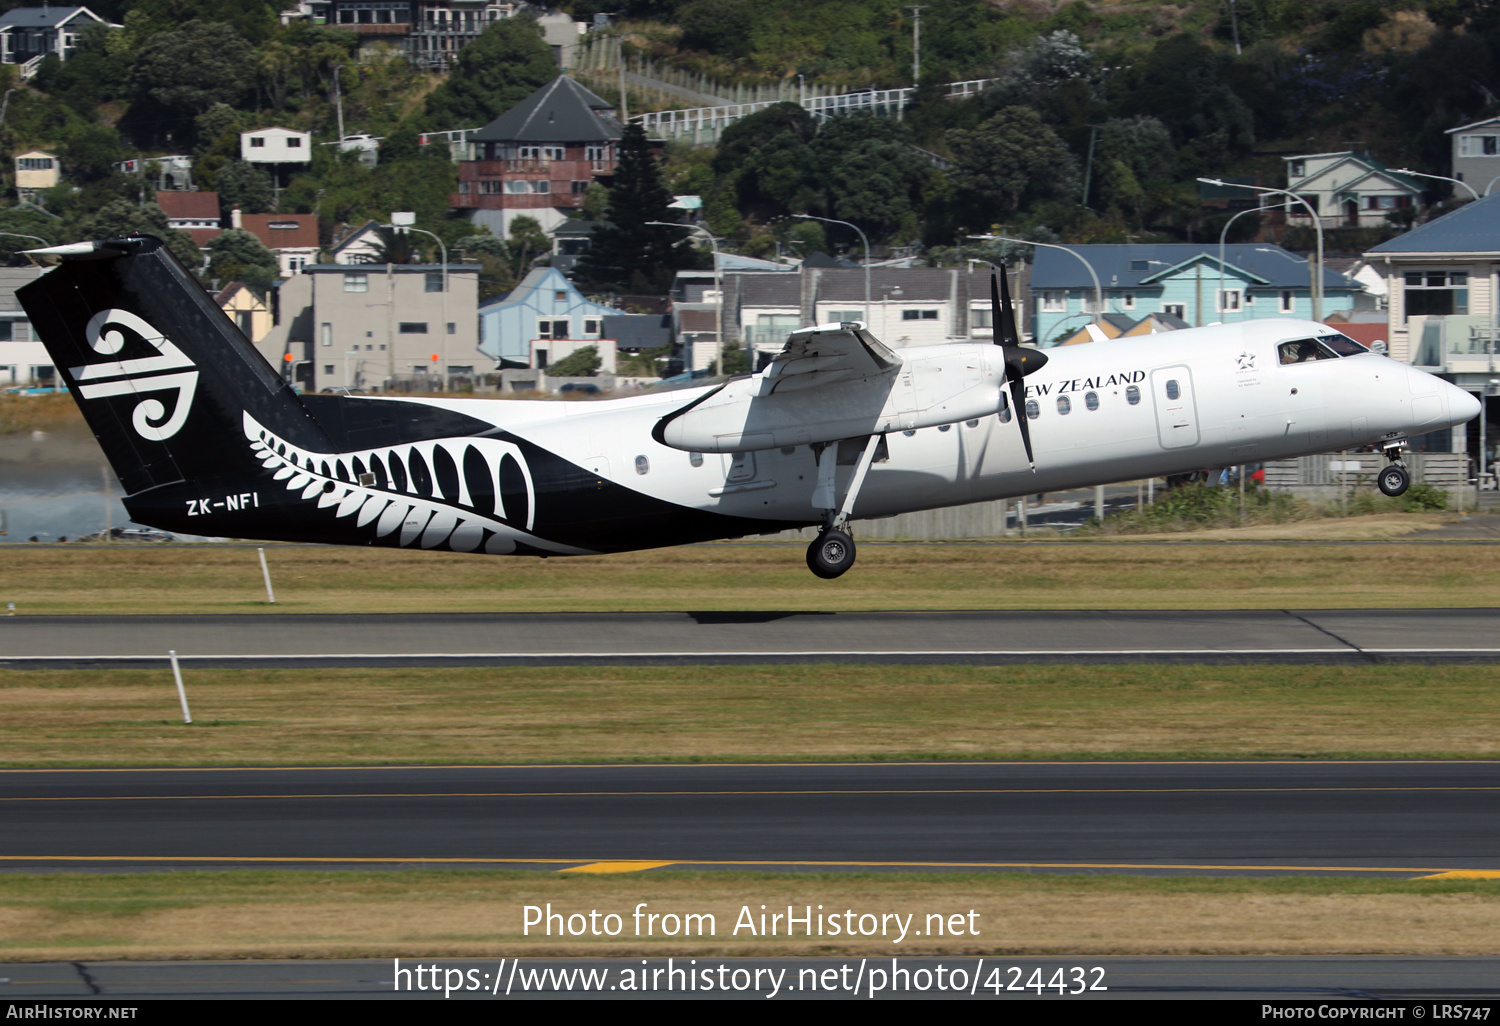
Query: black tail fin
{"x": 162, "y": 375}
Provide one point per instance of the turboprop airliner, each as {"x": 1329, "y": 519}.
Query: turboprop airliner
{"x": 208, "y": 439}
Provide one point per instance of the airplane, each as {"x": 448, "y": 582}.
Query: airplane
{"x": 208, "y": 439}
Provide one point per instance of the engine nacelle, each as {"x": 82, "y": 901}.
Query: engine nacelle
{"x": 933, "y": 385}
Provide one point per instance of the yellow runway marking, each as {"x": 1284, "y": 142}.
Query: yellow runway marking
{"x": 1465, "y": 874}
{"x": 759, "y": 792}
{"x": 735, "y": 863}
{"x": 616, "y": 867}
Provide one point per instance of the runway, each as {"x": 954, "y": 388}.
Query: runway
{"x": 1400, "y": 819}
{"x": 1357, "y": 637}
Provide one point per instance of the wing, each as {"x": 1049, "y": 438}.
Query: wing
{"x": 821, "y": 355}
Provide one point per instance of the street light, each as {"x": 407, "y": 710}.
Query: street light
{"x": 1441, "y": 178}
{"x": 713, "y": 244}
{"x": 1098, "y": 291}
{"x": 402, "y": 221}
{"x": 1316, "y": 285}
{"x": 814, "y": 217}
{"x": 1222, "y": 236}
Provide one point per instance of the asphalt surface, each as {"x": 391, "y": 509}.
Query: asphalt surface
{"x": 1389, "y": 818}
{"x": 1261, "y": 979}
{"x": 985, "y": 637}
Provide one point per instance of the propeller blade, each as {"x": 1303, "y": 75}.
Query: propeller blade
{"x": 1018, "y": 404}
{"x": 1005, "y": 317}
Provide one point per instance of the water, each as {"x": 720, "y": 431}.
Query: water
{"x": 55, "y": 487}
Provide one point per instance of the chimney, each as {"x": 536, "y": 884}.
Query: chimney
{"x": 235, "y": 220}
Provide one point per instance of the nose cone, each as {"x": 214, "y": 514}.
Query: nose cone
{"x": 1462, "y": 406}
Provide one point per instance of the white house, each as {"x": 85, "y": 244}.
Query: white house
{"x": 1476, "y": 154}
{"x": 1348, "y": 189}
{"x": 276, "y": 146}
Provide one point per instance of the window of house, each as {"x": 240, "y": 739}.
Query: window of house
{"x": 591, "y": 327}
{"x": 412, "y": 328}
{"x": 257, "y": 140}
{"x": 6, "y": 331}
{"x": 515, "y": 187}
{"x": 844, "y": 316}
{"x": 919, "y": 315}
{"x": 35, "y": 163}
{"x": 541, "y": 186}
{"x": 596, "y": 152}
{"x": 1435, "y": 293}
{"x": 1229, "y": 300}
{"x": 979, "y": 317}
{"x": 1478, "y": 145}
{"x": 493, "y": 188}
{"x": 1054, "y": 302}
{"x": 434, "y": 281}
{"x": 1288, "y": 301}
{"x": 1175, "y": 309}
{"x": 1296, "y": 168}
{"x": 325, "y": 333}
{"x": 1139, "y": 265}
{"x": 356, "y": 283}
{"x": 328, "y": 368}
{"x": 579, "y": 188}
{"x": 293, "y": 142}
{"x": 452, "y": 328}
{"x": 552, "y": 153}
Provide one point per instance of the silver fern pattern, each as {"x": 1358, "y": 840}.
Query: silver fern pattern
{"x": 463, "y": 494}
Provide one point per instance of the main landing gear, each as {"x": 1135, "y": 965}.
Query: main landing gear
{"x": 832, "y": 552}
{"x": 1394, "y": 479}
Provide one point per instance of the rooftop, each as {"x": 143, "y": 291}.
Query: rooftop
{"x": 562, "y": 111}
{"x": 1472, "y": 228}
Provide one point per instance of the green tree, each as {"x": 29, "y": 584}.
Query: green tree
{"x": 595, "y": 201}
{"x": 1010, "y": 159}
{"x": 188, "y": 70}
{"x": 768, "y": 161}
{"x": 91, "y": 152}
{"x": 245, "y": 186}
{"x": 628, "y": 253}
{"x": 26, "y": 221}
{"x": 871, "y": 174}
{"x": 527, "y": 241}
{"x": 507, "y": 63}
{"x": 583, "y": 362}
{"x": 237, "y": 255}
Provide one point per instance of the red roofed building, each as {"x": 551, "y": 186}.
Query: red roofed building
{"x": 196, "y": 213}
{"x": 292, "y": 237}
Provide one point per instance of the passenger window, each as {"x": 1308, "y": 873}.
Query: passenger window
{"x": 1033, "y": 411}
{"x": 695, "y": 458}
{"x": 642, "y": 465}
{"x": 1091, "y": 400}
{"x": 1132, "y": 395}
{"x": 1173, "y": 391}
{"x": 1005, "y": 414}
{"x": 944, "y": 427}
{"x": 909, "y": 432}
{"x": 1064, "y": 405}
{"x": 971, "y": 423}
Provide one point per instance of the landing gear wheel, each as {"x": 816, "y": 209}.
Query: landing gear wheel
{"x": 1393, "y": 481}
{"x": 831, "y": 554}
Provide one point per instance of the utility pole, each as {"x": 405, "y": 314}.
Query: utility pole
{"x": 338, "y": 101}
{"x": 916, "y": 43}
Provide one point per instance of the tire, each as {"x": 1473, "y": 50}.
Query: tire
{"x": 1393, "y": 481}
{"x": 831, "y": 554}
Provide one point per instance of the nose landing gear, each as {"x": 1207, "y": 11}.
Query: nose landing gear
{"x": 1394, "y": 479}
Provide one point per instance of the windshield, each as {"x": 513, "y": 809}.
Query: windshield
{"x": 1324, "y": 347}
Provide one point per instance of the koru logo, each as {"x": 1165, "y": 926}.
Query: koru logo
{"x": 138, "y": 377}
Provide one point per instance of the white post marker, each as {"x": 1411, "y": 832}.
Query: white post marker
{"x": 187, "y": 717}
{"x": 265, "y": 572}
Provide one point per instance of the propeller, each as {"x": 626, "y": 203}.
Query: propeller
{"x": 1019, "y": 361}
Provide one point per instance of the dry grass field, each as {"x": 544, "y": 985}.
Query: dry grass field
{"x": 1073, "y": 575}
{"x": 737, "y": 713}
{"x": 431, "y": 914}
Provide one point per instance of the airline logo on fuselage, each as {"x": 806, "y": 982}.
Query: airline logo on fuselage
{"x": 168, "y": 370}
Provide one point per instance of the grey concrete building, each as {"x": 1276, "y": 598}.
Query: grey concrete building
{"x": 376, "y": 327}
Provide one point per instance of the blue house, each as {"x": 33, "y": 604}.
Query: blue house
{"x": 544, "y": 305}
{"x": 1181, "y": 279}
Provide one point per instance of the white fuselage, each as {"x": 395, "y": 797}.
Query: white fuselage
{"x": 1207, "y": 397}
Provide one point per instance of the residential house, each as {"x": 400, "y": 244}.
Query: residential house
{"x": 1476, "y": 154}
{"x": 23, "y": 358}
{"x": 570, "y": 240}
{"x": 359, "y": 246}
{"x": 250, "y": 311}
{"x": 196, "y": 213}
{"x": 1444, "y": 302}
{"x": 539, "y": 157}
{"x": 173, "y": 171}
{"x": 27, "y": 34}
{"x": 36, "y": 170}
{"x": 544, "y": 306}
{"x": 276, "y": 146}
{"x": 292, "y": 237}
{"x": 430, "y": 32}
{"x": 1181, "y": 279}
{"x": 385, "y": 327}
{"x": 1348, "y": 190}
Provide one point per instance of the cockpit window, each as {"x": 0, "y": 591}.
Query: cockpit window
{"x": 1342, "y": 345}
{"x": 1324, "y": 347}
